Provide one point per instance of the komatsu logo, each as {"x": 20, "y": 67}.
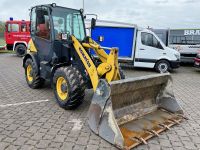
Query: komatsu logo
{"x": 86, "y": 59}
{"x": 191, "y": 32}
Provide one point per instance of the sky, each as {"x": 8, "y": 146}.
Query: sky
{"x": 144, "y": 13}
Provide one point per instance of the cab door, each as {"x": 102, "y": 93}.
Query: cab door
{"x": 148, "y": 50}
{"x": 24, "y": 32}
{"x": 12, "y": 33}
{"x": 8, "y": 37}
{"x": 40, "y": 32}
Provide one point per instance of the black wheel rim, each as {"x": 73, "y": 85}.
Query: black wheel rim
{"x": 21, "y": 51}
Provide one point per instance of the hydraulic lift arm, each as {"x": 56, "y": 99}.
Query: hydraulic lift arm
{"x": 109, "y": 62}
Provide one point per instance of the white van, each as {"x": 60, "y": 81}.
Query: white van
{"x": 138, "y": 47}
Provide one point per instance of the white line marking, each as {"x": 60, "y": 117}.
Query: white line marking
{"x": 77, "y": 124}
{"x": 18, "y": 104}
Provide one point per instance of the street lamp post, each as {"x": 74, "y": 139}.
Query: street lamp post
{"x": 83, "y": 5}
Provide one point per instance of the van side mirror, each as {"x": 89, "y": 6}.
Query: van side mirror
{"x": 93, "y": 23}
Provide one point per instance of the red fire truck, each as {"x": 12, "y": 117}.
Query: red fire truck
{"x": 17, "y": 36}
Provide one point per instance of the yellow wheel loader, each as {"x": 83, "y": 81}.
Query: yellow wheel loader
{"x": 124, "y": 112}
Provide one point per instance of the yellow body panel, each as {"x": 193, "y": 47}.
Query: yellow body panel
{"x": 109, "y": 63}
{"x": 88, "y": 63}
{"x": 31, "y": 46}
{"x": 103, "y": 68}
{"x": 108, "y": 67}
{"x": 113, "y": 61}
{"x": 97, "y": 49}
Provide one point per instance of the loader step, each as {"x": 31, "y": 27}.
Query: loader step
{"x": 140, "y": 130}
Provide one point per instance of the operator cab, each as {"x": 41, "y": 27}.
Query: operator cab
{"x": 51, "y": 26}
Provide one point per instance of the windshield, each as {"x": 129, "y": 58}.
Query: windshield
{"x": 68, "y": 21}
{"x": 183, "y": 37}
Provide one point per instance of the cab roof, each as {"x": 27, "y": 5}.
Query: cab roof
{"x": 53, "y": 5}
{"x": 17, "y": 21}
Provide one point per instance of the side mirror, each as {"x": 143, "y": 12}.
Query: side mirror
{"x": 93, "y": 23}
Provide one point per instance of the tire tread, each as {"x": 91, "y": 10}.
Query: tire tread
{"x": 77, "y": 90}
{"x": 37, "y": 81}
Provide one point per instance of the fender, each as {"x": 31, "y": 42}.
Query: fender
{"x": 35, "y": 59}
{"x": 19, "y": 42}
{"x": 166, "y": 58}
{"x": 53, "y": 69}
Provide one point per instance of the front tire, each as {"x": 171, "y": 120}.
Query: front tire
{"x": 162, "y": 66}
{"x": 32, "y": 76}
{"x": 68, "y": 86}
{"x": 20, "y": 50}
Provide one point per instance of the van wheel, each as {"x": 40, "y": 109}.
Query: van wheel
{"x": 162, "y": 66}
{"x": 20, "y": 50}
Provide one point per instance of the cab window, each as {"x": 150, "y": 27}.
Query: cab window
{"x": 78, "y": 27}
{"x": 33, "y": 21}
{"x": 155, "y": 42}
{"x": 59, "y": 26}
{"x": 23, "y": 27}
{"x": 40, "y": 26}
{"x": 68, "y": 21}
{"x": 15, "y": 27}
{"x": 43, "y": 23}
{"x": 9, "y": 27}
{"x": 149, "y": 39}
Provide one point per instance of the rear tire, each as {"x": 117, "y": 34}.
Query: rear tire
{"x": 20, "y": 50}
{"x": 32, "y": 77}
{"x": 69, "y": 88}
{"x": 162, "y": 66}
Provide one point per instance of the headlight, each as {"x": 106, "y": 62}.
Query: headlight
{"x": 198, "y": 55}
{"x": 177, "y": 55}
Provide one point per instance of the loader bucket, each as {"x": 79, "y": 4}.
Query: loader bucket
{"x": 128, "y": 112}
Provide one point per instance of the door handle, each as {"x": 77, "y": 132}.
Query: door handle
{"x": 142, "y": 49}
